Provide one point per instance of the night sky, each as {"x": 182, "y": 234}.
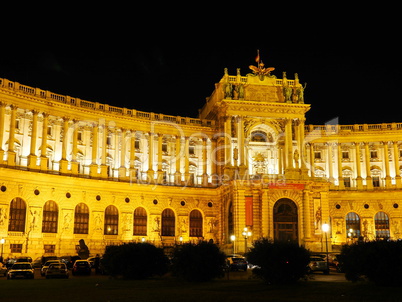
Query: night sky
{"x": 353, "y": 68}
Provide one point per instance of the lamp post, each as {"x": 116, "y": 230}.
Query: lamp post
{"x": 2, "y": 241}
{"x": 325, "y": 229}
{"x": 233, "y": 239}
{"x": 246, "y": 233}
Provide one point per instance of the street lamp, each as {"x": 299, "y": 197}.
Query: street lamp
{"x": 325, "y": 229}
{"x": 233, "y": 239}
{"x": 246, "y": 233}
{"x": 2, "y": 241}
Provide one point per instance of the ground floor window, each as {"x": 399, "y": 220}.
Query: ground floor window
{"x": 353, "y": 225}
{"x": 381, "y": 222}
{"x": 168, "y": 223}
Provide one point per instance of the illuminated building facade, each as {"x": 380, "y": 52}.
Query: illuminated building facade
{"x": 73, "y": 169}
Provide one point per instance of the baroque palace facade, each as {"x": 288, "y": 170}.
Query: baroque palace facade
{"x": 73, "y": 169}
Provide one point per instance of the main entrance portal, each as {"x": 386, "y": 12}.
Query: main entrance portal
{"x": 285, "y": 221}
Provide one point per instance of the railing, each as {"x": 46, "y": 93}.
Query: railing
{"x": 331, "y": 129}
{"x": 278, "y": 82}
{"x": 44, "y": 94}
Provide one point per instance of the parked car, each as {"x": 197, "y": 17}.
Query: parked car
{"x": 318, "y": 264}
{"x": 69, "y": 260}
{"x": 21, "y": 270}
{"x": 3, "y": 269}
{"x": 46, "y": 266}
{"x": 236, "y": 262}
{"x": 47, "y": 258}
{"x": 23, "y": 259}
{"x": 37, "y": 263}
{"x": 57, "y": 270}
{"x": 81, "y": 267}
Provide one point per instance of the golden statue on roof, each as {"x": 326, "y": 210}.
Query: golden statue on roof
{"x": 260, "y": 70}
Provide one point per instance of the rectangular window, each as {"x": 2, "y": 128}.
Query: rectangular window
{"x": 346, "y": 182}
{"x": 376, "y": 181}
{"x": 317, "y": 155}
{"x": 15, "y": 248}
{"x": 345, "y": 154}
{"x": 49, "y": 248}
{"x": 373, "y": 154}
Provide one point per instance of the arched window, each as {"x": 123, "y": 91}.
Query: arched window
{"x": 111, "y": 226}
{"x": 18, "y": 210}
{"x": 381, "y": 222}
{"x": 353, "y": 225}
{"x": 168, "y": 223}
{"x": 81, "y": 219}
{"x": 50, "y": 217}
{"x": 285, "y": 221}
{"x": 259, "y": 136}
{"x": 195, "y": 223}
{"x": 140, "y": 222}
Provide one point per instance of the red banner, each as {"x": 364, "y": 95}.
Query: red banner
{"x": 249, "y": 210}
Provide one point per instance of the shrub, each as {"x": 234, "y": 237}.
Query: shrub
{"x": 135, "y": 261}
{"x": 379, "y": 261}
{"x": 278, "y": 262}
{"x": 198, "y": 262}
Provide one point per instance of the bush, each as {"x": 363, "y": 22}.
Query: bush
{"x": 135, "y": 261}
{"x": 278, "y": 262}
{"x": 379, "y": 261}
{"x": 198, "y": 262}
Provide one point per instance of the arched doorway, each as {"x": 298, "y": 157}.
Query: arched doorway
{"x": 285, "y": 221}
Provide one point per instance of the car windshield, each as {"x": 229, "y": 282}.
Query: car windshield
{"x": 21, "y": 266}
{"x": 50, "y": 262}
{"x": 57, "y": 266}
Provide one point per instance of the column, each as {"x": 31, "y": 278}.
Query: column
{"x": 396, "y": 166}
{"x": 186, "y": 160}
{"x": 205, "y": 163}
{"x": 307, "y": 214}
{"x": 63, "y": 161}
{"x": 312, "y": 158}
{"x": 11, "y": 140}
{"x": 74, "y": 163}
{"x": 214, "y": 159}
{"x": 133, "y": 170}
{"x": 359, "y": 179}
{"x": 123, "y": 148}
{"x": 341, "y": 183}
{"x": 150, "y": 172}
{"x": 240, "y": 144}
{"x": 386, "y": 163}
{"x": 2, "y": 119}
{"x": 330, "y": 166}
{"x": 302, "y": 147}
{"x": 369, "y": 181}
{"x": 103, "y": 166}
{"x": 93, "y": 168}
{"x": 43, "y": 149}
{"x": 160, "y": 171}
{"x": 32, "y": 158}
{"x": 227, "y": 141}
{"x": 288, "y": 145}
{"x": 177, "y": 174}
